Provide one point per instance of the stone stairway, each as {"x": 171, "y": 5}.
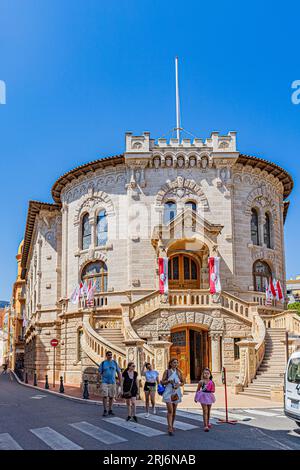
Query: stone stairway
{"x": 272, "y": 368}
{"x": 113, "y": 335}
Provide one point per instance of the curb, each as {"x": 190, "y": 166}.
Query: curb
{"x": 63, "y": 395}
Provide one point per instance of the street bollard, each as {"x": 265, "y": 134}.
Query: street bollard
{"x": 86, "y": 395}
{"x": 35, "y": 379}
{"x": 46, "y": 383}
{"x": 26, "y": 377}
{"x": 61, "y": 387}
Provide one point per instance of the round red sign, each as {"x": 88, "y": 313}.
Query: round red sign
{"x": 54, "y": 342}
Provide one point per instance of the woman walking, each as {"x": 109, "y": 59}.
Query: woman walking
{"x": 205, "y": 396}
{"x": 152, "y": 379}
{"x": 130, "y": 390}
{"x": 172, "y": 380}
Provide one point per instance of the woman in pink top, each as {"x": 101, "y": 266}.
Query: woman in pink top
{"x": 205, "y": 396}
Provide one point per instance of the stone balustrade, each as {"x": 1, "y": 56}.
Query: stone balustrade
{"x": 96, "y": 346}
{"x": 288, "y": 319}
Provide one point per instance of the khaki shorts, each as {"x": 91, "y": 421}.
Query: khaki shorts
{"x": 108, "y": 390}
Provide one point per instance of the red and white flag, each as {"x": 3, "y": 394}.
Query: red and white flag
{"x": 81, "y": 292}
{"x": 91, "y": 293}
{"x": 163, "y": 275}
{"x": 268, "y": 293}
{"x": 214, "y": 274}
{"x": 279, "y": 294}
{"x": 272, "y": 288}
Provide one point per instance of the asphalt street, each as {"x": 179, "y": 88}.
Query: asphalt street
{"x": 35, "y": 420}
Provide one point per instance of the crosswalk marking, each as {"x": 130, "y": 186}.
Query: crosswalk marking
{"x": 195, "y": 416}
{"x": 54, "y": 439}
{"x": 135, "y": 427}
{"x": 8, "y": 443}
{"x": 162, "y": 420}
{"x": 238, "y": 417}
{"x": 260, "y": 413}
{"x": 294, "y": 434}
{"x": 97, "y": 433}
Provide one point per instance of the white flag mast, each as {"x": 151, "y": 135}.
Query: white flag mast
{"x": 178, "y": 127}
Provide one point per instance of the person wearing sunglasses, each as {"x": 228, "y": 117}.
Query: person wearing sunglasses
{"x": 130, "y": 390}
{"x": 108, "y": 370}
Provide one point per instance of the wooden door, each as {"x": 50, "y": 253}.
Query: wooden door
{"x": 179, "y": 349}
{"x": 183, "y": 272}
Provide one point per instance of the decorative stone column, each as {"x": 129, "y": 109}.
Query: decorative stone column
{"x": 161, "y": 355}
{"x": 247, "y": 361}
{"x": 215, "y": 351}
{"x": 134, "y": 350}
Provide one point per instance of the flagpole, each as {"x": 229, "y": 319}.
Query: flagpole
{"x": 177, "y": 101}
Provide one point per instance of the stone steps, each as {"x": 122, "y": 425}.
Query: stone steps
{"x": 114, "y": 336}
{"x": 272, "y": 368}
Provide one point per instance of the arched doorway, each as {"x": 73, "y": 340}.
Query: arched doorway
{"x": 183, "y": 272}
{"x": 191, "y": 347}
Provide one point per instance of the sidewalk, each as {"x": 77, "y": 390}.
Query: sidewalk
{"x": 234, "y": 401}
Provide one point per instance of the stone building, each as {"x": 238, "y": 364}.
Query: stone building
{"x": 110, "y": 222}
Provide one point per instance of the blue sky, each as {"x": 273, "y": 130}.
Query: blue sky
{"x": 81, "y": 73}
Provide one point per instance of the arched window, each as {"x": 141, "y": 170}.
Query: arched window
{"x": 254, "y": 227}
{"x": 86, "y": 232}
{"x": 169, "y": 212}
{"x": 193, "y": 206}
{"x": 96, "y": 271}
{"x": 102, "y": 228}
{"x": 267, "y": 231}
{"x": 261, "y": 275}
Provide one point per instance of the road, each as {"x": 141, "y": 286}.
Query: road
{"x": 34, "y": 420}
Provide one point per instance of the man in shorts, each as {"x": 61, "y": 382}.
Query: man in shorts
{"x": 108, "y": 370}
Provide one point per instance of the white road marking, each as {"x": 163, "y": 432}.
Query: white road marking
{"x": 8, "y": 443}
{"x": 135, "y": 427}
{"x": 294, "y": 434}
{"x": 163, "y": 420}
{"x": 195, "y": 416}
{"x": 54, "y": 439}
{"x": 260, "y": 412}
{"x": 38, "y": 397}
{"x": 97, "y": 433}
{"x": 269, "y": 440}
{"x": 234, "y": 416}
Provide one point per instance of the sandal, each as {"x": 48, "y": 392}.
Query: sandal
{"x": 206, "y": 429}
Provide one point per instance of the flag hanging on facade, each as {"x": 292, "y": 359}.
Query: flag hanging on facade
{"x": 268, "y": 293}
{"x": 74, "y": 299}
{"x": 90, "y": 293}
{"x": 85, "y": 289}
{"x": 272, "y": 288}
{"x": 214, "y": 274}
{"x": 163, "y": 275}
{"x": 279, "y": 294}
{"x": 81, "y": 293}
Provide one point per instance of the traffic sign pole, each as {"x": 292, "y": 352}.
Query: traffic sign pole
{"x": 226, "y": 420}
{"x": 54, "y": 343}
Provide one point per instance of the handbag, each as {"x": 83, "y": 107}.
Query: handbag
{"x": 175, "y": 397}
{"x": 160, "y": 389}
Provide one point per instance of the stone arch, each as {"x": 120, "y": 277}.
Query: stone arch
{"x": 182, "y": 188}
{"x": 85, "y": 260}
{"x": 92, "y": 203}
{"x": 261, "y": 199}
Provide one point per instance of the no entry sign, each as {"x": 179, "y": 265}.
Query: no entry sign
{"x": 54, "y": 342}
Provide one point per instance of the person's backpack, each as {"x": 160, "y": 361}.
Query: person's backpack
{"x": 100, "y": 370}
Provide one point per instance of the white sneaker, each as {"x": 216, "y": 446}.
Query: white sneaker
{"x": 154, "y": 411}
{"x": 147, "y": 415}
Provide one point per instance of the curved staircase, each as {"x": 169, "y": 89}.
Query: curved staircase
{"x": 272, "y": 368}
{"x": 112, "y": 335}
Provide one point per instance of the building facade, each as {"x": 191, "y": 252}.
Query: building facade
{"x": 110, "y": 222}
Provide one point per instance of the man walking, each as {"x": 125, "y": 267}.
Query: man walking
{"x": 108, "y": 370}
